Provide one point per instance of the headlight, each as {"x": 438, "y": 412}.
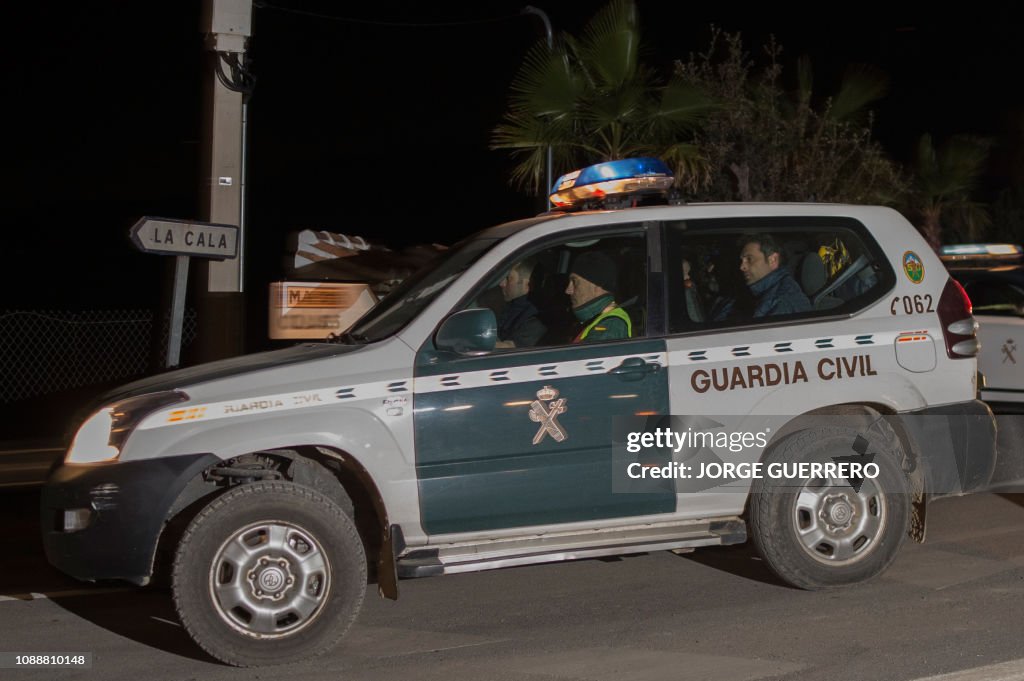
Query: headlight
{"x": 102, "y": 435}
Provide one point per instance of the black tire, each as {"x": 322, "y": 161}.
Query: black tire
{"x": 817, "y": 534}
{"x": 233, "y": 566}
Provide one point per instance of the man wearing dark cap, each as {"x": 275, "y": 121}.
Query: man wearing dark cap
{"x": 592, "y": 280}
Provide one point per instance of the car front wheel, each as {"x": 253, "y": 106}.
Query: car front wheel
{"x": 269, "y": 573}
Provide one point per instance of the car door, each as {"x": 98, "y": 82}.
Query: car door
{"x": 738, "y": 372}
{"x": 523, "y": 438}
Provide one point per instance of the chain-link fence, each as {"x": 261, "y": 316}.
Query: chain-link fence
{"x": 48, "y": 351}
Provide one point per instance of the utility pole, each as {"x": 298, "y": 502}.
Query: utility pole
{"x": 530, "y": 9}
{"x": 227, "y": 25}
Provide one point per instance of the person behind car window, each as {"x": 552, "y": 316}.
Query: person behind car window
{"x": 518, "y": 325}
{"x": 692, "y": 293}
{"x": 775, "y": 290}
{"x": 592, "y": 280}
{"x": 773, "y": 286}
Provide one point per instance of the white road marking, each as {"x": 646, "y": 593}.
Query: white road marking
{"x": 166, "y": 621}
{"x": 1003, "y": 671}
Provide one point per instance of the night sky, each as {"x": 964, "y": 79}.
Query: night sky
{"x": 375, "y": 124}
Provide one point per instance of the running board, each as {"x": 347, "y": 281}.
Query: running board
{"x": 550, "y": 548}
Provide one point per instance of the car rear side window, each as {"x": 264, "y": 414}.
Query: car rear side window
{"x": 746, "y": 271}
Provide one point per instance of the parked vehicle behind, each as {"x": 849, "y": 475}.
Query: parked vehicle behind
{"x": 993, "y": 276}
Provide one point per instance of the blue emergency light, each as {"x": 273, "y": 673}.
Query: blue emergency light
{"x": 611, "y": 178}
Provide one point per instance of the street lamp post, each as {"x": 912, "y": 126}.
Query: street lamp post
{"x": 530, "y": 9}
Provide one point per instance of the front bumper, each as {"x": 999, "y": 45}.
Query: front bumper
{"x": 120, "y": 509}
{"x": 956, "y": 446}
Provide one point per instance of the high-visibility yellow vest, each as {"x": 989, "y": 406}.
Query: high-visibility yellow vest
{"x": 614, "y": 312}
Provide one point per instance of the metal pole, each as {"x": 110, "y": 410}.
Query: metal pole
{"x": 221, "y": 301}
{"x": 242, "y": 172}
{"x": 530, "y": 9}
{"x": 177, "y": 311}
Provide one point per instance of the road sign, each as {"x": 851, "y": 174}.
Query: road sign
{"x": 180, "y": 237}
{"x": 185, "y": 240}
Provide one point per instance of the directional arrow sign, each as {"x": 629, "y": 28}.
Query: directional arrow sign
{"x": 179, "y": 237}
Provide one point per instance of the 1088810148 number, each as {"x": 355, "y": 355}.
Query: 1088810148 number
{"x": 36, "y": 660}
{"x": 915, "y": 304}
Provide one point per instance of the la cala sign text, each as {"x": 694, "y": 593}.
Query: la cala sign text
{"x": 180, "y": 237}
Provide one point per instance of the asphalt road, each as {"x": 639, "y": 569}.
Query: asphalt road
{"x": 954, "y": 604}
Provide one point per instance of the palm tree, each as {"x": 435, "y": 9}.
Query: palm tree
{"x": 591, "y": 100}
{"x": 944, "y": 179}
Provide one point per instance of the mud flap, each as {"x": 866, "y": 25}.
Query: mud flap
{"x": 387, "y": 572}
{"x": 918, "y": 516}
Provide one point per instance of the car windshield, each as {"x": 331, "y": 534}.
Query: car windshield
{"x": 407, "y": 300}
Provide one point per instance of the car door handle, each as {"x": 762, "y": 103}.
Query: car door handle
{"x": 634, "y": 369}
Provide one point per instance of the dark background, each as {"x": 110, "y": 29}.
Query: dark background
{"x": 378, "y": 123}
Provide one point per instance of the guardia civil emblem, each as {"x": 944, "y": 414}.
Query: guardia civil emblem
{"x": 547, "y": 415}
{"x": 1009, "y": 347}
{"x": 913, "y": 267}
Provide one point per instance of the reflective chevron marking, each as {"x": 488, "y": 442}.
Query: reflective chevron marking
{"x": 262, "y": 404}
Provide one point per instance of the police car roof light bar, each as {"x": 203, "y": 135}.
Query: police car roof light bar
{"x": 627, "y": 176}
{"x": 961, "y": 251}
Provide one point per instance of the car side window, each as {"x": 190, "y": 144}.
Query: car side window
{"x": 739, "y": 272}
{"x": 577, "y": 290}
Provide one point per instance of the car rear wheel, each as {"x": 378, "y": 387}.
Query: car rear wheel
{"x": 827, "y": 531}
{"x": 269, "y": 573}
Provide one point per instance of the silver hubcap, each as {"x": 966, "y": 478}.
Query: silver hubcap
{"x": 270, "y": 579}
{"x": 837, "y": 525}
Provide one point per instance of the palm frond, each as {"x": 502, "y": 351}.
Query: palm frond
{"x": 962, "y": 160}
{"x": 528, "y": 138}
{"x": 610, "y": 44}
{"x": 805, "y": 80}
{"x": 622, "y": 105}
{"x": 684, "y": 104}
{"x": 861, "y": 85}
{"x": 530, "y": 171}
{"x": 926, "y": 166}
{"x": 545, "y": 84}
{"x": 975, "y": 218}
{"x": 952, "y": 170}
{"x": 686, "y": 161}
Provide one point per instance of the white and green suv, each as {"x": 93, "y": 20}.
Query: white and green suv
{"x": 280, "y": 484}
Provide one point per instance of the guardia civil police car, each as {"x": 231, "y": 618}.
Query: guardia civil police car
{"x": 993, "y": 276}
{"x": 419, "y": 443}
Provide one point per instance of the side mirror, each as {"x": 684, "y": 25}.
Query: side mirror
{"x": 469, "y": 332}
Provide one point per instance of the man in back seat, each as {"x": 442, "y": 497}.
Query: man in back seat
{"x": 775, "y": 290}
